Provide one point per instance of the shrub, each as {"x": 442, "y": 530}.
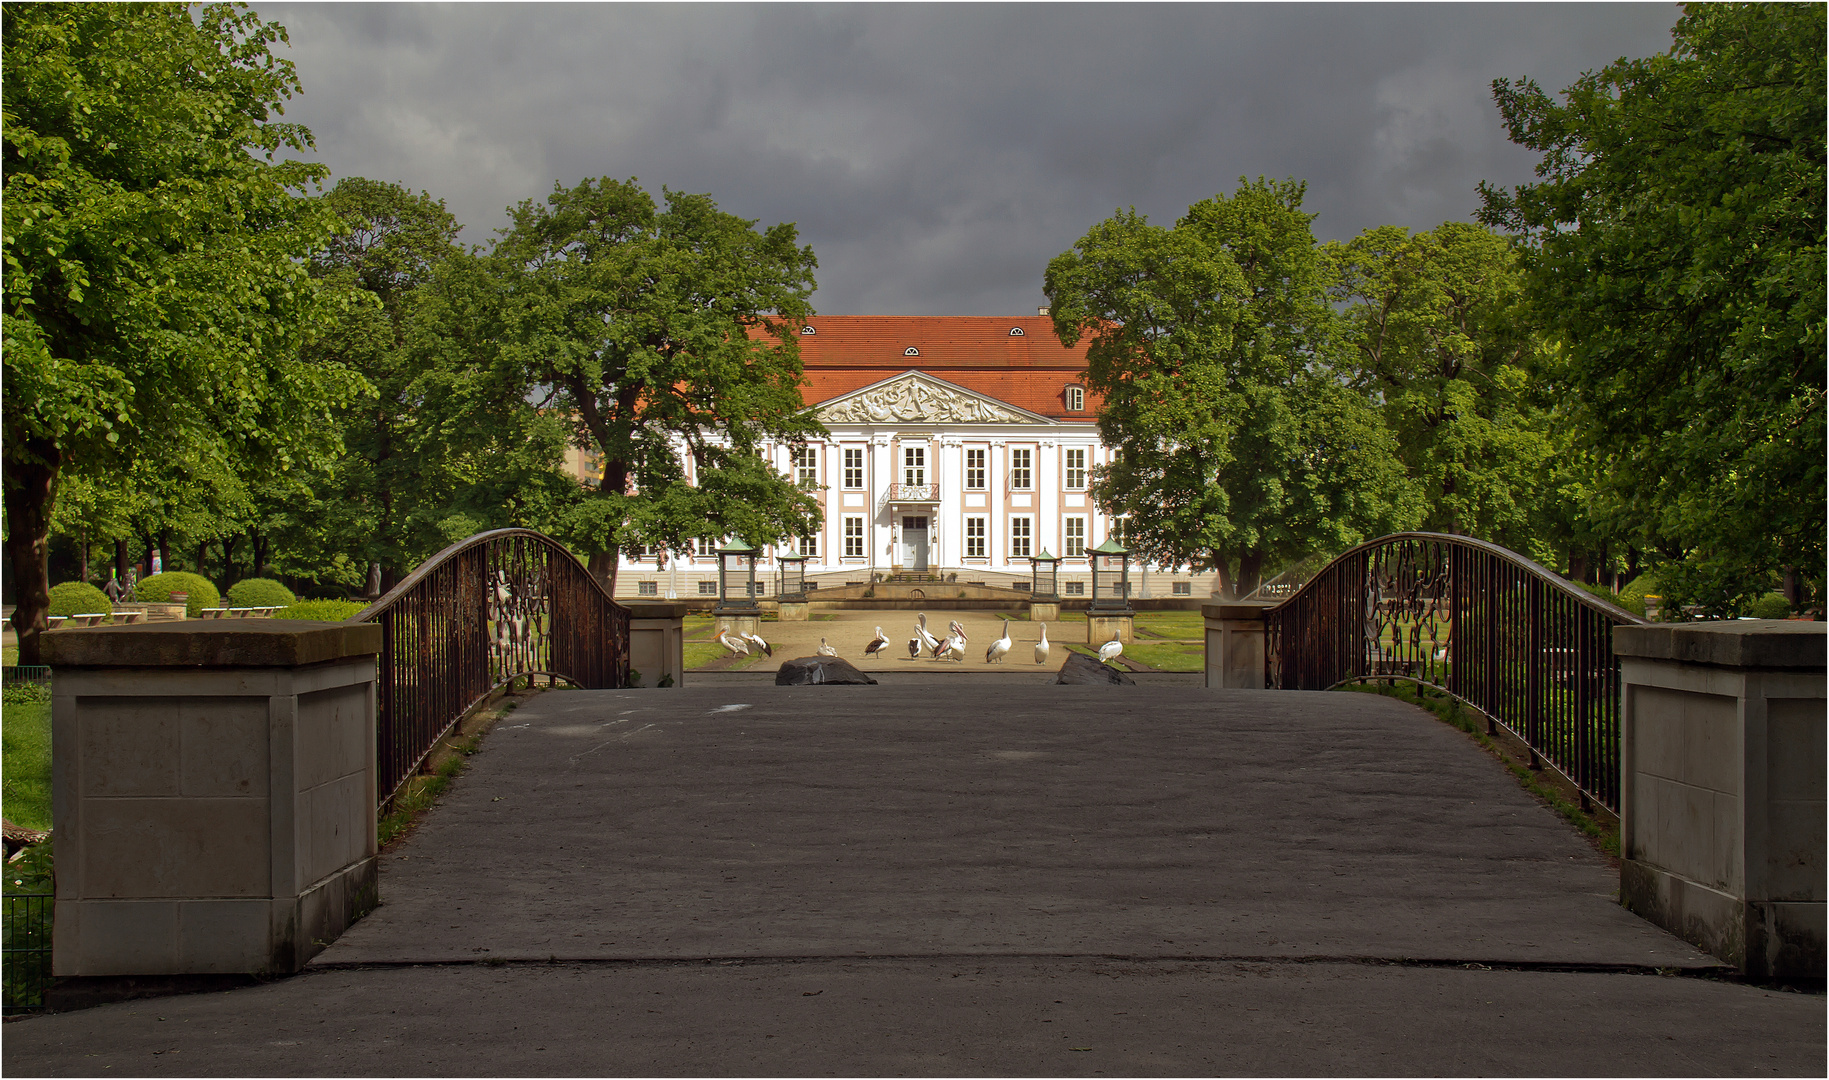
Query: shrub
{"x": 158, "y": 588}
{"x": 1632, "y": 597}
{"x": 78, "y": 598}
{"x": 260, "y": 592}
{"x": 321, "y": 610}
{"x": 1772, "y": 605}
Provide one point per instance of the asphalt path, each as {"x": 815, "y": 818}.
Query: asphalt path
{"x": 974, "y": 876}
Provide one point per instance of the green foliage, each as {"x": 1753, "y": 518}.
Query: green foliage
{"x": 649, "y": 325}
{"x": 1675, "y": 248}
{"x": 77, "y": 598}
{"x": 260, "y": 592}
{"x": 1241, "y": 445}
{"x": 1772, "y": 605}
{"x": 1632, "y": 594}
{"x": 154, "y": 253}
{"x": 321, "y": 610}
{"x": 158, "y": 588}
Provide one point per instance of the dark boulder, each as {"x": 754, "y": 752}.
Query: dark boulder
{"x": 1081, "y": 669}
{"x": 809, "y": 670}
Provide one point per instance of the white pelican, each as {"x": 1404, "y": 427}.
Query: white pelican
{"x": 1111, "y": 650}
{"x": 999, "y": 647}
{"x": 953, "y": 646}
{"x": 1041, "y": 647}
{"x": 958, "y": 629}
{"x": 824, "y": 649}
{"x": 945, "y": 651}
{"x": 927, "y": 639}
{"x": 877, "y": 644}
{"x": 734, "y": 644}
{"x": 757, "y": 642}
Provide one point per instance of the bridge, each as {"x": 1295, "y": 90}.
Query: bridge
{"x": 982, "y": 873}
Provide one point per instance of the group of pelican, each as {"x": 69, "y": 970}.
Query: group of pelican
{"x": 745, "y": 644}
{"x": 951, "y": 647}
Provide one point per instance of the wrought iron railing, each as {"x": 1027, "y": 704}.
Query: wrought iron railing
{"x": 472, "y": 619}
{"x": 1494, "y": 629}
{"x": 25, "y": 951}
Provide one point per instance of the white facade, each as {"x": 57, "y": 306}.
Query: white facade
{"x": 920, "y": 475}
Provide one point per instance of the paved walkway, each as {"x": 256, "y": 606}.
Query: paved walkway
{"x": 974, "y": 876}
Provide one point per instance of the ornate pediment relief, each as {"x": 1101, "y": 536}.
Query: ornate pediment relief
{"x": 917, "y": 399}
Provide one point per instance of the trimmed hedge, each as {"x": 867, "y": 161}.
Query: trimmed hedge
{"x": 321, "y": 610}
{"x": 1772, "y": 605}
{"x": 158, "y": 588}
{"x": 1632, "y": 597}
{"x": 260, "y": 592}
{"x": 78, "y": 598}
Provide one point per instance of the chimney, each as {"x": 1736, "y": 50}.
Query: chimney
{"x": 1041, "y": 311}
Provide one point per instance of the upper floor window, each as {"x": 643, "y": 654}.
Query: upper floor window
{"x": 914, "y": 465}
{"x": 1076, "y": 469}
{"x": 809, "y": 546}
{"x": 1076, "y": 399}
{"x": 974, "y": 538}
{"x": 806, "y": 466}
{"x": 1020, "y": 470}
{"x": 854, "y": 537}
{"x": 854, "y": 466}
{"x": 974, "y": 469}
{"x": 1020, "y": 534}
{"x": 1073, "y": 537}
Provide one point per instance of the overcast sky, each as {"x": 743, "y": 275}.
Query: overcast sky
{"x": 936, "y": 156}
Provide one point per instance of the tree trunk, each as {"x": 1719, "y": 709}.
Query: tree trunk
{"x": 203, "y": 558}
{"x": 84, "y": 550}
{"x": 31, "y": 492}
{"x": 1250, "y": 574}
{"x": 259, "y": 553}
{"x": 228, "y": 559}
{"x": 1792, "y": 589}
{"x": 121, "y": 562}
{"x": 602, "y": 567}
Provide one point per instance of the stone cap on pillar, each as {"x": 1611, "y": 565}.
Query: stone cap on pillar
{"x": 1234, "y": 610}
{"x": 211, "y": 644}
{"x": 656, "y": 609}
{"x": 1770, "y": 644}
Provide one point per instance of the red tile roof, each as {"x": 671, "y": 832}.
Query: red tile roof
{"x": 1030, "y": 370}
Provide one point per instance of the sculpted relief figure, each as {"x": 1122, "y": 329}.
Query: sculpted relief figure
{"x": 915, "y": 401}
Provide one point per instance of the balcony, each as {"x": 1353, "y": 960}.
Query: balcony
{"x": 910, "y": 495}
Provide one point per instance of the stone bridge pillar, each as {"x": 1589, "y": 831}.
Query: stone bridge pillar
{"x": 1722, "y": 788}
{"x": 213, "y": 796}
{"x": 1235, "y": 644}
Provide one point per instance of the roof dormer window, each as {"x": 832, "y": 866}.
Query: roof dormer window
{"x": 1076, "y": 399}
{"x": 808, "y": 331}
{"x": 911, "y": 351}
{"x": 1016, "y": 331}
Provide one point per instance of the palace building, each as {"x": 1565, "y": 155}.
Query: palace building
{"x": 960, "y": 446}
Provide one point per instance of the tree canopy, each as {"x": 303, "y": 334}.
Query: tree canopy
{"x": 154, "y": 243}
{"x": 1239, "y": 443}
{"x": 1674, "y": 248}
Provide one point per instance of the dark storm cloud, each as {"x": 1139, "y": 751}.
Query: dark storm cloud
{"x": 937, "y": 156}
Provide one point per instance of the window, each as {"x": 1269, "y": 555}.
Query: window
{"x": 1073, "y": 588}
{"x": 1019, "y": 538}
{"x": 645, "y": 551}
{"x": 974, "y": 536}
{"x": 806, "y": 467}
{"x": 854, "y": 537}
{"x": 1016, "y": 331}
{"x": 914, "y": 465}
{"x": 1076, "y": 399}
{"x": 1183, "y": 588}
{"x": 974, "y": 469}
{"x": 1076, "y": 470}
{"x": 1019, "y": 470}
{"x": 854, "y": 467}
{"x": 1073, "y": 538}
{"x": 809, "y": 546}
{"x": 647, "y": 588}
{"x": 911, "y": 351}
{"x": 808, "y": 331}
{"x": 708, "y": 588}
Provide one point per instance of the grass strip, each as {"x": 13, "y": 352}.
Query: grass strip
{"x": 1449, "y": 710}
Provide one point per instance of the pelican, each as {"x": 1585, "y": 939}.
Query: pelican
{"x": 1111, "y": 650}
{"x": 756, "y": 642}
{"x": 927, "y": 639}
{"x": 877, "y": 644}
{"x": 1041, "y": 647}
{"x": 824, "y": 649}
{"x": 914, "y": 648}
{"x": 1000, "y": 646}
{"x": 945, "y": 651}
{"x": 958, "y": 628}
{"x": 735, "y": 644}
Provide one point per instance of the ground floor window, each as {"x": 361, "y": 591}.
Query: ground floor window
{"x": 708, "y": 588}
{"x": 1073, "y": 588}
{"x": 854, "y": 537}
{"x": 809, "y": 546}
{"x": 647, "y": 588}
{"x": 1020, "y": 532}
{"x": 1183, "y": 588}
{"x": 974, "y": 538}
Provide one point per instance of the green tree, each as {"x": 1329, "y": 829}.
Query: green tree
{"x": 1432, "y": 321}
{"x": 1240, "y": 444}
{"x": 668, "y": 338}
{"x": 1676, "y": 252}
{"x": 154, "y": 244}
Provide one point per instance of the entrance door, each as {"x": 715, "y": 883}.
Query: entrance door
{"x": 914, "y": 543}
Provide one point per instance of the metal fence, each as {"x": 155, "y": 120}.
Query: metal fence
{"x": 1494, "y": 629}
{"x": 25, "y": 952}
{"x": 478, "y": 615}
{"x": 25, "y": 675}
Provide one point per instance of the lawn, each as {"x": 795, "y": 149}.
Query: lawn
{"x": 25, "y": 760}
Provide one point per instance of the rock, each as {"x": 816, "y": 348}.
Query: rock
{"x": 809, "y": 670}
{"x": 1081, "y": 669}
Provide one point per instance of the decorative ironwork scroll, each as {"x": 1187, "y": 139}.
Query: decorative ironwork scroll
{"x": 1499, "y": 632}
{"x": 473, "y": 618}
